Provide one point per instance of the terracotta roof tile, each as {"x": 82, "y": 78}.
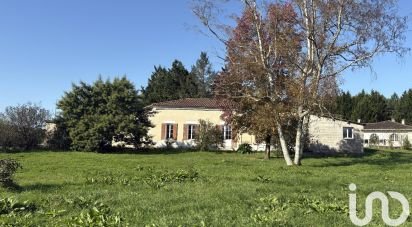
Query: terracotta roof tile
{"x": 198, "y": 103}
{"x": 387, "y": 125}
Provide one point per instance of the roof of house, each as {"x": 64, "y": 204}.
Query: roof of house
{"x": 387, "y": 125}
{"x": 196, "y": 103}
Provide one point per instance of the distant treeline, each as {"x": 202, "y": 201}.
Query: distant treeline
{"x": 373, "y": 106}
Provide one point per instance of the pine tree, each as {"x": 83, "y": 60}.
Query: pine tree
{"x": 370, "y": 107}
{"x": 393, "y": 103}
{"x": 404, "y": 108}
{"x": 204, "y": 74}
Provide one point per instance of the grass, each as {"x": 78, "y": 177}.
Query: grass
{"x": 202, "y": 189}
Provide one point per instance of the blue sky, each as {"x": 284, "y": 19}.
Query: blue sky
{"x": 45, "y": 45}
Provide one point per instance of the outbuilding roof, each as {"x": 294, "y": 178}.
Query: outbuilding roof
{"x": 196, "y": 103}
{"x": 387, "y": 125}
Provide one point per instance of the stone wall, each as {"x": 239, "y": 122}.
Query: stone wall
{"x": 326, "y": 135}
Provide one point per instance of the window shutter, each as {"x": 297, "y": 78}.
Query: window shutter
{"x": 175, "y": 131}
{"x": 185, "y": 131}
{"x": 163, "y": 135}
{"x": 222, "y": 131}
{"x": 196, "y": 130}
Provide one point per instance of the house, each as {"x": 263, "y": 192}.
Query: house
{"x": 386, "y": 133}
{"x": 334, "y": 135}
{"x": 177, "y": 120}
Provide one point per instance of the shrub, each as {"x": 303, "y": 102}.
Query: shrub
{"x": 157, "y": 180}
{"x": 374, "y": 140}
{"x": 273, "y": 211}
{"x": 10, "y": 206}
{"x": 209, "y": 136}
{"x": 406, "y": 144}
{"x": 98, "y": 215}
{"x": 8, "y": 168}
{"x": 244, "y": 148}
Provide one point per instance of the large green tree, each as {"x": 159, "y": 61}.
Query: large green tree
{"x": 370, "y": 107}
{"x": 393, "y": 103}
{"x": 98, "y": 114}
{"x": 204, "y": 74}
{"x": 186, "y": 83}
{"x": 169, "y": 84}
{"x": 342, "y": 106}
{"x": 404, "y": 107}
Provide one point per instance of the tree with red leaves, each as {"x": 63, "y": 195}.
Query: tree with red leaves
{"x": 283, "y": 59}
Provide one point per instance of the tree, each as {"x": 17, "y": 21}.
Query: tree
{"x": 204, "y": 74}
{"x": 22, "y": 126}
{"x": 7, "y": 134}
{"x": 344, "y": 105}
{"x": 392, "y": 105}
{"x": 209, "y": 136}
{"x": 331, "y": 37}
{"x": 160, "y": 87}
{"x": 98, "y": 114}
{"x": 371, "y": 107}
{"x": 170, "y": 84}
{"x": 404, "y": 108}
{"x": 186, "y": 83}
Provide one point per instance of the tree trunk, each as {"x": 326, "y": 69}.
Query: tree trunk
{"x": 267, "y": 148}
{"x": 300, "y": 139}
{"x": 298, "y": 142}
{"x": 284, "y": 146}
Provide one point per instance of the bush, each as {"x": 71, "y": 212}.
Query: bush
{"x": 209, "y": 136}
{"x": 98, "y": 215}
{"x": 244, "y": 148}
{"x": 374, "y": 140}
{"x": 11, "y": 206}
{"x": 406, "y": 144}
{"x": 7, "y": 169}
{"x": 22, "y": 126}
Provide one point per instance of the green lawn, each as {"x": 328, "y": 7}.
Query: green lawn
{"x": 202, "y": 189}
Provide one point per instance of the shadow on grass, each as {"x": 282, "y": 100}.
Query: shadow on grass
{"x": 14, "y": 187}
{"x": 41, "y": 187}
{"x": 164, "y": 151}
{"x": 369, "y": 157}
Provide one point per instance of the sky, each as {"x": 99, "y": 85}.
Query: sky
{"x": 46, "y": 45}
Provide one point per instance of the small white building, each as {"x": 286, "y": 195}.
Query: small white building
{"x": 386, "y": 134}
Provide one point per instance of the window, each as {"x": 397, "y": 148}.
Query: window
{"x": 227, "y": 132}
{"x": 394, "y": 137}
{"x": 169, "y": 131}
{"x": 347, "y": 133}
{"x": 191, "y": 132}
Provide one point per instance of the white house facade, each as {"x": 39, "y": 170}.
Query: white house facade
{"x": 386, "y": 134}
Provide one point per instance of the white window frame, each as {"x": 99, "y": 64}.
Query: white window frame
{"x": 191, "y": 132}
{"x": 227, "y": 132}
{"x": 394, "y": 137}
{"x": 346, "y": 133}
{"x": 169, "y": 131}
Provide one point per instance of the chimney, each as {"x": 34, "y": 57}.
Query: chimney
{"x": 359, "y": 121}
{"x": 403, "y": 121}
{"x": 393, "y": 120}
